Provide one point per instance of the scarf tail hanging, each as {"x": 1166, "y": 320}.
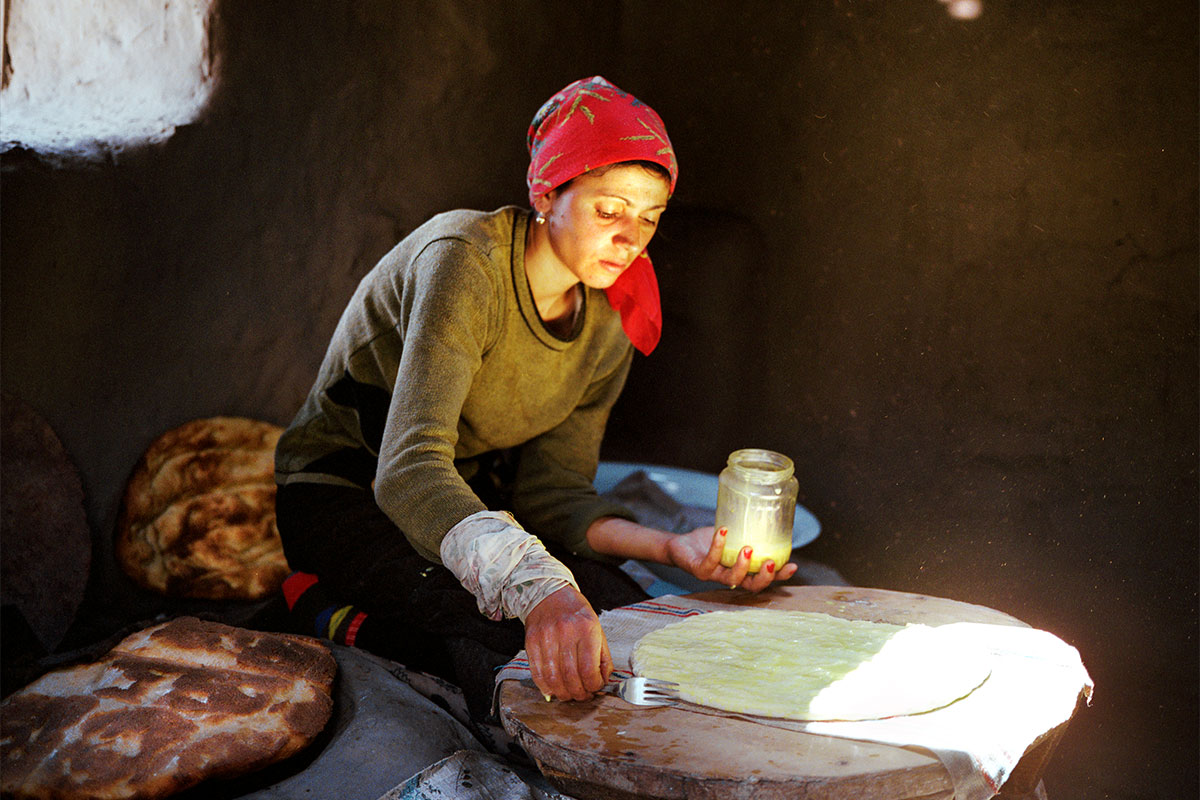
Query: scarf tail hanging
{"x": 635, "y": 297}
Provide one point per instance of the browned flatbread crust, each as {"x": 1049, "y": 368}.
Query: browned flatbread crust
{"x": 198, "y": 514}
{"x": 167, "y": 708}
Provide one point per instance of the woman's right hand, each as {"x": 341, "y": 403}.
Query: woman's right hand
{"x": 568, "y": 653}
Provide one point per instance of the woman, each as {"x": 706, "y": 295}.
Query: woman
{"x": 472, "y": 374}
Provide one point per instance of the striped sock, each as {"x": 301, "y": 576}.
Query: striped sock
{"x": 313, "y": 610}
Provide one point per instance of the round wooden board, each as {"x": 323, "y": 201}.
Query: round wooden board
{"x": 605, "y": 748}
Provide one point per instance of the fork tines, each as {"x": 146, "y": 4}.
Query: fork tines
{"x": 655, "y": 686}
{"x": 655, "y": 689}
{"x": 647, "y": 691}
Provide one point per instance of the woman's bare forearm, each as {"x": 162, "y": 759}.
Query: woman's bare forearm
{"x": 618, "y": 537}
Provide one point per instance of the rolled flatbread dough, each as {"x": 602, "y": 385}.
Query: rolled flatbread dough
{"x": 804, "y": 665}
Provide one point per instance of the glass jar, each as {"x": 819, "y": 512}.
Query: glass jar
{"x": 756, "y": 504}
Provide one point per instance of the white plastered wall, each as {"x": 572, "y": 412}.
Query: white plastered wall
{"x": 88, "y": 77}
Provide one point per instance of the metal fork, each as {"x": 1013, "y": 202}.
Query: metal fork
{"x": 646, "y": 691}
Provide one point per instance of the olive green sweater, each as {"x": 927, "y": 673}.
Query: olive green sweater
{"x": 439, "y": 357}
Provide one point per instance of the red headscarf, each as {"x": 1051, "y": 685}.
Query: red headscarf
{"x": 590, "y": 124}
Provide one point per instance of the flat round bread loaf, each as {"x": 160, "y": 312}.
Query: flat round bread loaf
{"x": 167, "y": 708}
{"x": 808, "y": 666}
{"x": 198, "y": 516}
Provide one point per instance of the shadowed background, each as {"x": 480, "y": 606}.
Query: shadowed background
{"x": 949, "y": 267}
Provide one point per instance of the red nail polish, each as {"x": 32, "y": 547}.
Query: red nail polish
{"x": 722, "y": 531}
{"x": 747, "y": 551}
{"x": 770, "y": 566}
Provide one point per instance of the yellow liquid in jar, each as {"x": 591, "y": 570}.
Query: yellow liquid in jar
{"x": 779, "y": 555}
{"x": 765, "y": 528}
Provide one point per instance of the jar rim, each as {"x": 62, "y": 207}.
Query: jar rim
{"x": 762, "y": 464}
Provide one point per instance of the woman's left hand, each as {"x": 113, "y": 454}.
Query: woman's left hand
{"x": 699, "y": 553}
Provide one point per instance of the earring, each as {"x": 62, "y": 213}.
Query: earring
{"x": 539, "y": 219}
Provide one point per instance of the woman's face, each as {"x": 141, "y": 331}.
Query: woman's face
{"x": 599, "y": 224}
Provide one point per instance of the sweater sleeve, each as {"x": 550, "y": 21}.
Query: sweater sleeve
{"x": 449, "y": 317}
{"x": 553, "y": 494}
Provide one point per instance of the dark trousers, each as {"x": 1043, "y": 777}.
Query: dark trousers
{"x": 418, "y": 613}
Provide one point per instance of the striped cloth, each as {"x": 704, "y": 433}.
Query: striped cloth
{"x": 333, "y": 621}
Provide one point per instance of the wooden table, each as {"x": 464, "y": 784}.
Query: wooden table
{"x": 608, "y": 750}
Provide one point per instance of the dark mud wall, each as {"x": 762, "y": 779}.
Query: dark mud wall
{"x": 949, "y": 267}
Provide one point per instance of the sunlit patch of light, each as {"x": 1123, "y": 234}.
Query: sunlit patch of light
{"x": 963, "y": 9}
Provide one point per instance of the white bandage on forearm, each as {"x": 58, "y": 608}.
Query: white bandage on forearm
{"x": 505, "y": 567}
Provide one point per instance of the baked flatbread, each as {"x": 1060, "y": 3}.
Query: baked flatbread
{"x": 198, "y": 515}
{"x": 803, "y": 665}
{"x": 167, "y": 708}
